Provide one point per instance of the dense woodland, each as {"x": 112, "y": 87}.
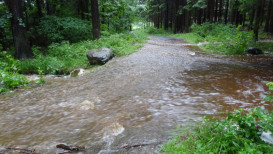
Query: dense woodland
{"x": 179, "y": 15}
{"x": 42, "y": 22}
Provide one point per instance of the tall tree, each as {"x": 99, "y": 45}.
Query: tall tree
{"x": 258, "y": 15}
{"x": 39, "y": 8}
{"x": 21, "y": 44}
{"x": 95, "y": 19}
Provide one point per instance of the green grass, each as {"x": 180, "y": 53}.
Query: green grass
{"x": 64, "y": 57}
{"x": 238, "y": 133}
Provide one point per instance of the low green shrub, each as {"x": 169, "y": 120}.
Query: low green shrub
{"x": 238, "y": 133}
{"x": 9, "y": 78}
{"x": 154, "y": 31}
{"x": 221, "y": 38}
{"x": 269, "y": 97}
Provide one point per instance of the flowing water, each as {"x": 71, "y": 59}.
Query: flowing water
{"x": 134, "y": 100}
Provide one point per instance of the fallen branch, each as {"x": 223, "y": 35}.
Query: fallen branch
{"x": 127, "y": 146}
{"x": 18, "y": 150}
{"x": 70, "y": 148}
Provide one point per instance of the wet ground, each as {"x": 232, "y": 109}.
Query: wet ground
{"x": 135, "y": 100}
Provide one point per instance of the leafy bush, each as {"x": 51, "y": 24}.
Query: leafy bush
{"x": 5, "y": 32}
{"x": 222, "y": 38}
{"x": 155, "y": 31}
{"x": 238, "y": 133}
{"x": 269, "y": 97}
{"x": 57, "y": 29}
{"x": 9, "y": 78}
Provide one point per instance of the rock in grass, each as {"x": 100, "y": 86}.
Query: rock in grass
{"x": 99, "y": 56}
{"x": 254, "y": 51}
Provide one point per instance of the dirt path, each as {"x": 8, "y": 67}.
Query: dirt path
{"x": 134, "y": 100}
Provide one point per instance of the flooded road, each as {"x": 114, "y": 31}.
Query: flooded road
{"x": 134, "y": 100}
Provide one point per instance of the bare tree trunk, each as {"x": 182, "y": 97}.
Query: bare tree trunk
{"x": 220, "y": 11}
{"x": 266, "y": 27}
{"x": 95, "y": 19}
{"x": 166, "y": 26}
{"x": 21, "y": 44}
{"x": 258, "y": 19}
{"x": 39, "y": 8}
{"x": 270, "y": 29}
{"x": 251, "y": 19}
{"x": 216, "y": 12}
{"x": 226, "y": 12}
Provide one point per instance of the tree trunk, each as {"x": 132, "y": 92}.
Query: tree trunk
{"x": 50, "y": 9}
{"x": 266, "y": 27}
{"x": 208, "y": 9}
{"x": 258, "y": 19}
{"x": 251, "y": 18}
{"x": 95, "y": 19}
{"x": 226, "y": 12}
{"x": 166, "y": 26}
{"x": 216, "y": 12}
{"x": 270, "y": 29}
{"x": 176, "y": 16}
{"x": 220, "y": 10}
{"x": 21, "y": 44}
{"x": 26, "y": 15}
{"x": 39, "y": 8}
{"x": 199, "y": 16}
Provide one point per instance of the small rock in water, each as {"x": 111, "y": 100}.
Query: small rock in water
{"x": 87, "y": 105}
{"x": 192, "y": 53}
{"x": 76, "y": 72}
{"x": 267, "y": 137}
{"x": 254, "y": 51}
{"x": 114, "y": 129}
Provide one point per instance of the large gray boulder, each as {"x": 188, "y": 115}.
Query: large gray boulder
{"x": 99, "y": 56}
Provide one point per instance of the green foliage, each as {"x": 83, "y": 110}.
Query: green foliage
{"x": 9, "y": 78}
{"x": 41, "y": 76}
{"x": 116, "y": 16}
{"x": 62, "y": 58}
{"x": 221, "y": 38}
{"x": 191, "y": 37}
{"x": 57, "y": 29}
{"x": 155, "y": 31}
{"x": 269, "y": 97}
{"x": 238, "y": 133}
{"x": 5, "y": 33}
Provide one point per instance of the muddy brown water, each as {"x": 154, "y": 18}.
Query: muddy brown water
{"x": 136, "y": 99}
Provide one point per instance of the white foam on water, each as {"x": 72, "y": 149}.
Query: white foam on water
{"x": 111, "y": 132}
